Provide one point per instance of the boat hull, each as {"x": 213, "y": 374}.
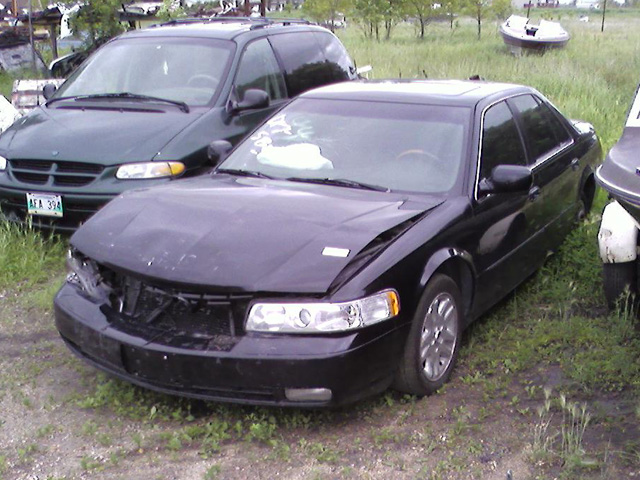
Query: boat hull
{"x": 619, "y": 174}
{"x": 531, "y": 43}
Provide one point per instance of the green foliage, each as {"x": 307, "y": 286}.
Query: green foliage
{"x": 421, "y": 10}
{"x": 326, "y": 10}
{"x": 213, "y": 472}
{"x": 501, "y": 9}
{"x": 564, "y": 442}
{"x": 26, "y": 257}
{"x": 375, "y": 15}
{"x": 99, "y": 20}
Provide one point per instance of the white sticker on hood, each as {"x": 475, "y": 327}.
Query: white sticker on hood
{"x": 335, "y": 252}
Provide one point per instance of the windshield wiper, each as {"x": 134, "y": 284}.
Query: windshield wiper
{"x": 340, "y": 182}
{"x": 126, "y": 95}
{"x": 243, "y": 173}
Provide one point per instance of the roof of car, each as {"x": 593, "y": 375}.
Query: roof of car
{"x": 447, "y": 92}
{"x": 225, "y": 28}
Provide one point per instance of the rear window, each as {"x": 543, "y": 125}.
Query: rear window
{"x": 304, "y": 62}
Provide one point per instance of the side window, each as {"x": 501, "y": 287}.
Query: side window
{"x": 542, "y": 129}
{"x": 337, "y": 57}
{"x": 259, "y": 69}
{"x": 501, "y": 144}
{"x": 304, "y": 64}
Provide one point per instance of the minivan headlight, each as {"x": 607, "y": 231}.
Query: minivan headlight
{"x": 3, "y": 164}
{"x": 321, "y": 317}
{"x": 135, "y": 171}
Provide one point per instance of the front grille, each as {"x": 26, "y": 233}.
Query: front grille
{"x": 54, "y": 172}
{"x": 34, "y": 178}
{"x": 174, "y": 317}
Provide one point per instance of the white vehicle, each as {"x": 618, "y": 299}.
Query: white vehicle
{"x": 619, "y": 175}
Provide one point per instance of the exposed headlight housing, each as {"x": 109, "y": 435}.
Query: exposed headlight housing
{"x": 3, "y": 164}
{"x": 136, "y": 171}
{"x": 321, "y": 317}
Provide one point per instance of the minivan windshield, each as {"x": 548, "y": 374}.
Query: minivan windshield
{"x": 188, "y": 70}
{"x": 358, "y": 144}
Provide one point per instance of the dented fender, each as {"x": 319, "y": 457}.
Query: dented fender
{"x": 618, "y": 235}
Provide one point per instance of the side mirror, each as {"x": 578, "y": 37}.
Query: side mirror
{"x": 253, "y": 98}
{"x": 218, "y": 150}
{"x": 48, "y": 90}
{"x": 507, "y": 179}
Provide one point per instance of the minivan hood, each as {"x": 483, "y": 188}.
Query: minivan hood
{"x": 241, "y": 234}
{"x": 106, "y": 137}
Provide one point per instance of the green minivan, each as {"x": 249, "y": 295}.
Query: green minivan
{"x": 144, "y": 108}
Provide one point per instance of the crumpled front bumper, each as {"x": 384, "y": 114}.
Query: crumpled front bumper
{"x": 257, "y": 370}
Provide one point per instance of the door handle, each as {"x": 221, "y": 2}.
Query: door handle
{"x": 575, "y": 163}
{"x": 534, "y": 193}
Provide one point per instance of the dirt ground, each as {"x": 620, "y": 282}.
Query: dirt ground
{"x": 466, "y": 431}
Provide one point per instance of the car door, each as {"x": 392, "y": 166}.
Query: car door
{"x": 504, "y": 222}
{"x": 258, "y": 68}
{"x": 554, "y": 165}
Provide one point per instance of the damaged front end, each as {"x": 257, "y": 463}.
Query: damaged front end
{"x": 170, "y": 317}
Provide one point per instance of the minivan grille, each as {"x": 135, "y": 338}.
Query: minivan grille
{"x": 54, "y": 172}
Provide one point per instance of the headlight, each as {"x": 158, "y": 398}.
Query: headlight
{"x": 135, "y": 171}
{"x": 3, "y": 164}
{"x": 317, "y": 317}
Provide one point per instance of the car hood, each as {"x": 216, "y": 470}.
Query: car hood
{"x": 241, "y": 234}
{"x": 103, "y": 136}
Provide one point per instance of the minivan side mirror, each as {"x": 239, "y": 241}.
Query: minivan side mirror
{"x": 218, "y": 150}
{"x": 507, "y": 179}
{"x": 253, "y": 98}
{"x": 48, "y": 90}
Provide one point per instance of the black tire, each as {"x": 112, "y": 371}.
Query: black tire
{"x": 619, "y": 282}
{"x": 416, "y": 374}
{"x": 583, "y": 210}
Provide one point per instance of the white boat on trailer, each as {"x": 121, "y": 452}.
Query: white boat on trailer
{"x": 520, "y": 34}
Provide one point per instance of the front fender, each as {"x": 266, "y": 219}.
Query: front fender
{"x": 457, "y": 264}
{"x": 618, "y": 235}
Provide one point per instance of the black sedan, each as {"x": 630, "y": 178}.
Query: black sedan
{"x": 339, "y": 250}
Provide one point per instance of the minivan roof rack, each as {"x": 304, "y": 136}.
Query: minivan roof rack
{"x": 257, "y": 22}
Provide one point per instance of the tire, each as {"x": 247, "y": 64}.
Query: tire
{"x": 619, "y": 282}
{"x": 434, "y": 339}
{"x": 583, "y": 210}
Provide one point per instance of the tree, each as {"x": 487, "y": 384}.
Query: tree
{"x": 501, "y": 9}
{"x": 451, "y": 8}
{"x": 99, "y": 20}
{"x": 369, "y": 14}
{"x": 478, "y": 9}
{"x": 326, "y": 10}
{"x": 421, "y": 10}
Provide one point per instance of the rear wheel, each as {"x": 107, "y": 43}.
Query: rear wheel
{"x": 433, "y": 342}
{"x": 619, "y": 281}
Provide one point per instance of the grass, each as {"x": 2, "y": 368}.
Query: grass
{"x": 552, "y": 330}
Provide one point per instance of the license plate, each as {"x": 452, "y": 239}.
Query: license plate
{"x": 44, "y": 204}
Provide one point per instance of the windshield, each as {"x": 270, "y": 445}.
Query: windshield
{"x": 179, "y": 69}
{"x": 401, "y": 147}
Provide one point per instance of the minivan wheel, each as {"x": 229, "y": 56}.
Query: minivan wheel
{"x": 434, "y": 339}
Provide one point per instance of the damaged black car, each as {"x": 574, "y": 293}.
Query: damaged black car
{"x": 341, "y": 249}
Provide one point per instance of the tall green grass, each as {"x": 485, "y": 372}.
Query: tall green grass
{"x": 27, "y": 258}
{"x": 593, "y": 78}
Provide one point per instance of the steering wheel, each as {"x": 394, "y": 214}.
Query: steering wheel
{"x": 202, "y": 80}
{"x": 417, "y": 154}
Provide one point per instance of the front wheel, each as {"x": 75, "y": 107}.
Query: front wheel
{"x": 434, "y": 340}
{"x": 619, "y": 282}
